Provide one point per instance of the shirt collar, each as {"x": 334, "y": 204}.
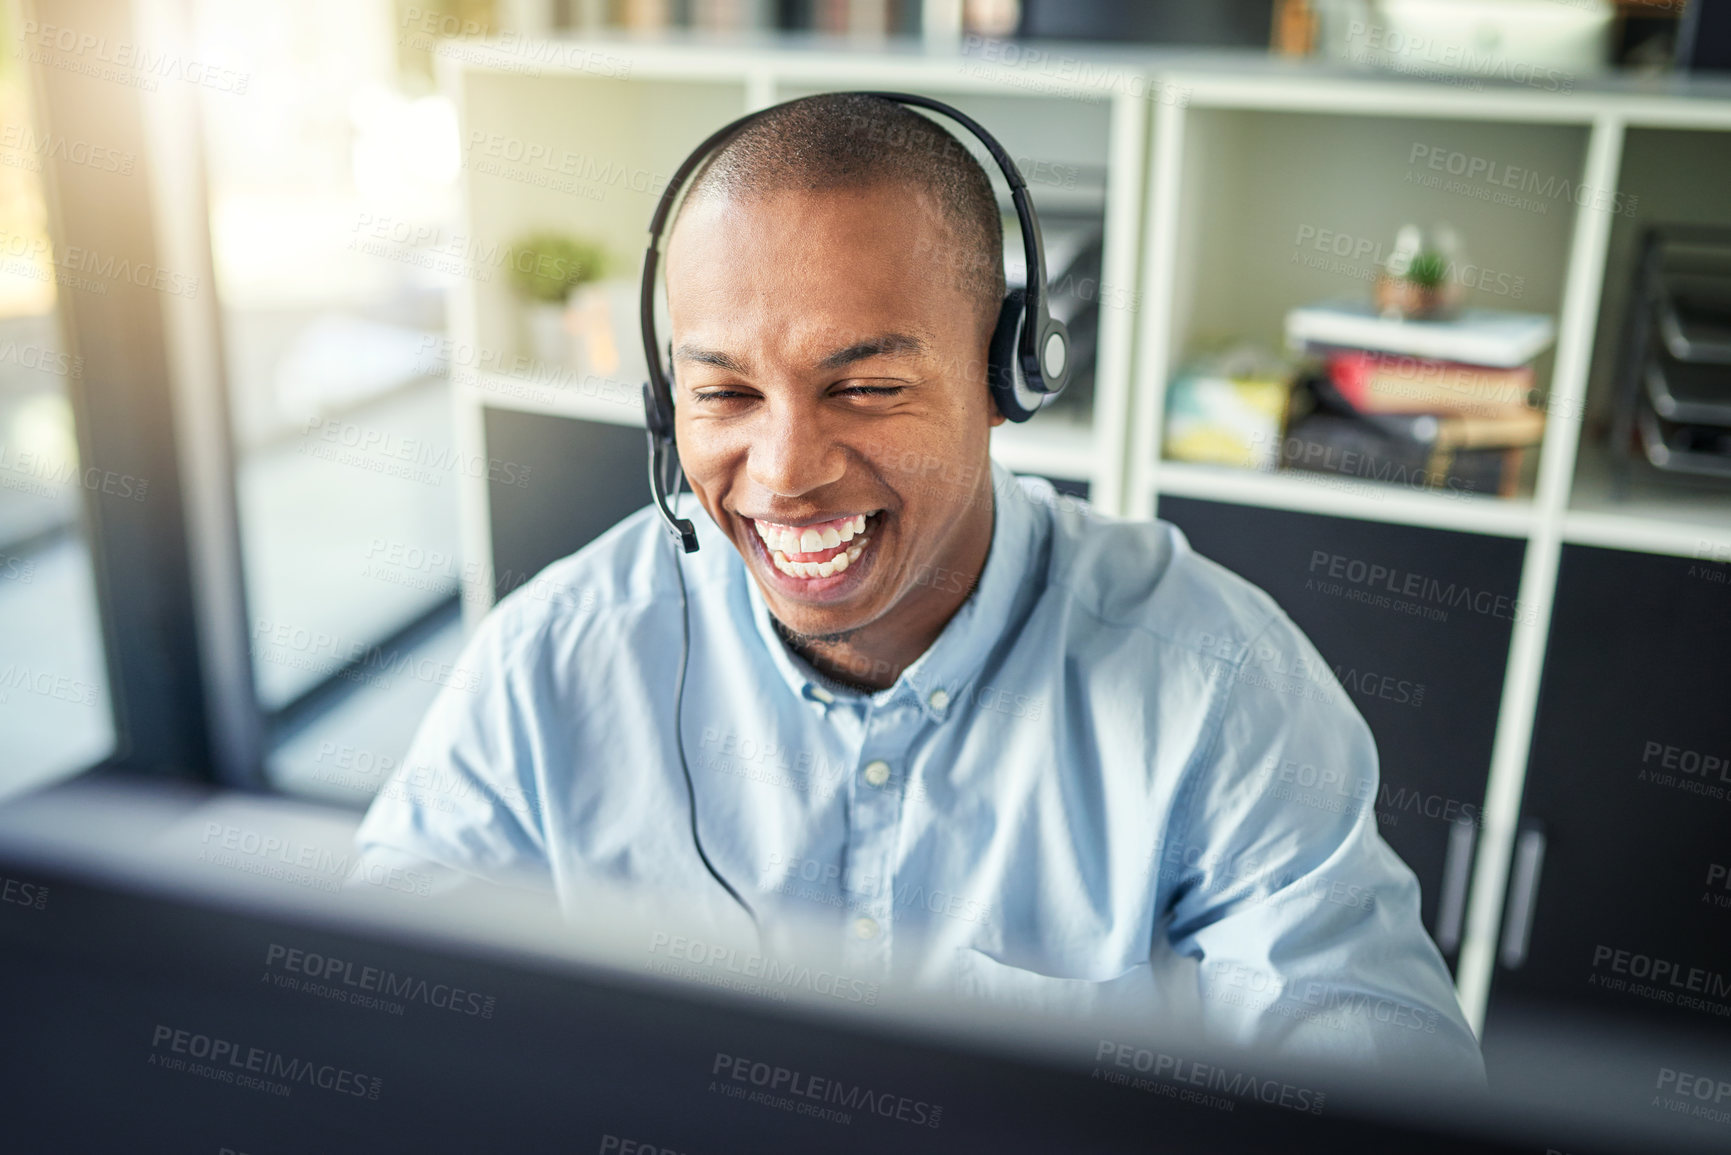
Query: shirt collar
{"x": 939, "y": 678}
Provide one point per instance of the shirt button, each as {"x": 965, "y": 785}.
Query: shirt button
{"x": 939, "y": 699}
{"x": 822, "y": 695}
{"x": 865, "y": 927}
{"x": 877, "y": 773}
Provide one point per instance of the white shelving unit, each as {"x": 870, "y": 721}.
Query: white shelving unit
{"x": 580, "y": 124}
{"x": 1215, "y": 166}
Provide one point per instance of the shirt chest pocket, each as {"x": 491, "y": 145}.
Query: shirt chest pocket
{"x": 979, "y": 977}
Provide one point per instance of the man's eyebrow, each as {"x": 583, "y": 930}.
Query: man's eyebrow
{"x": 689, "y": 352}
{"x": 886, "y": 344}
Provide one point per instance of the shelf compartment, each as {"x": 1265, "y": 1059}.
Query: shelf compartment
{"x": 1288, "y": 209}
{"x": 1649, "y": 513}
{"x": 578, "y": 154}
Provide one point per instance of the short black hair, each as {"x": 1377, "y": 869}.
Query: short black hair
{"x": 847, "y": 140}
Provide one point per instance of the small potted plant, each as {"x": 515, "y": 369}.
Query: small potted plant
{"x": 1414, "y": 284}
{"x": 546, "y": 267}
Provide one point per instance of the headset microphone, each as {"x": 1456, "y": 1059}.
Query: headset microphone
{"x": 665, "y": 476}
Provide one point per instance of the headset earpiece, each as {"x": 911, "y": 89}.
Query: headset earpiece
{"x": 1002, "y": 365}
{"x": 1022, "y": 383}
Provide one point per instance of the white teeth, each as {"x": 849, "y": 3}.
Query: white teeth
{"x": 810, "y": 539}
{"x": 812, "y": 569}
{"x": 783, "y": 540}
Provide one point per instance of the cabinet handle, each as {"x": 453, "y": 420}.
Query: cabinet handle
{"x": 1451, "y": 907}
{"x": 1523, "y": 893}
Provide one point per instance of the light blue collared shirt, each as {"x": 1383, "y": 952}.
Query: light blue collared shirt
{"x": 1118, "y": 763}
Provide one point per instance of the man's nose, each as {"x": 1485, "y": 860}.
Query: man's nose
{"x": 793, "y": 452}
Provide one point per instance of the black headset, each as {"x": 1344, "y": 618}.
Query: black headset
{"x": 1027, "y": 367}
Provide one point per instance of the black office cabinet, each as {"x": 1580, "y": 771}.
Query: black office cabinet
{"x": 557, "y": 483}
{"x": 1629, "y": 787}
{"x": 1425, "y": 668}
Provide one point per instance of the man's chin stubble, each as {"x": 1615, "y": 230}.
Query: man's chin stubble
{"x": 796, "y": 638}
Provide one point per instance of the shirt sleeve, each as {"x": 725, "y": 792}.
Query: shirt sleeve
{"x": 466, "y": 802}
{"x": 1304, "y": 923}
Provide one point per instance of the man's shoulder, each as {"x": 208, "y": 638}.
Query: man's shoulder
{"x": 624, "y": 571}
{"x": 1143, "y": 575}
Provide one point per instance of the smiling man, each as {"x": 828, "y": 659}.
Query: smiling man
{"x": 989, "y": 739}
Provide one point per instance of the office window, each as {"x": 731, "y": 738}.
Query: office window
{"x": 332, "y": 190}
{"x": 54, "y": 706}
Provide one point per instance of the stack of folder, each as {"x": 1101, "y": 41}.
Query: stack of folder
{"x": 1676, "y": 387}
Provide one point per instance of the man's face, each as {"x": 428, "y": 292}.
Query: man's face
{"x": 831, "y": 408}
